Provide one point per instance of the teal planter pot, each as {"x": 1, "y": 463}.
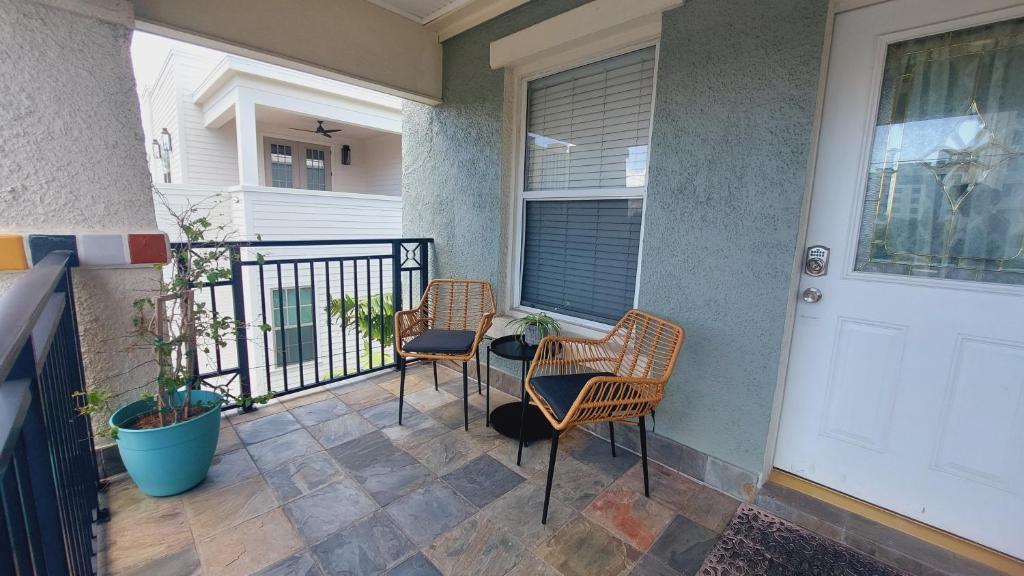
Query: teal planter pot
{"x": 169, "y": 460}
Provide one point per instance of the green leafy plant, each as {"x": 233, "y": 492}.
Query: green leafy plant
{"x": 544, "y": 324}
{"x": 177, "y": 327}
{"x": 374, "y": 316}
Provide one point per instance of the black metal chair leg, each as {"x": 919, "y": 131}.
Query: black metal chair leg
{"x": 522, "y": 432}
{"x": 435, "y": 375}
{"x": 465, "y": 394}
{"x": 487, "y": 411}
{"x": 401, "y": 393}
{"x": 551, "y": 475}
{"x": 611, "y": 437}
{"x": 643, "y": 456}
{"x": 479, "y": 385}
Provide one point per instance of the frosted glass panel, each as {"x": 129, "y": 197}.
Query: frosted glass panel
{"x": 945, "y": 192}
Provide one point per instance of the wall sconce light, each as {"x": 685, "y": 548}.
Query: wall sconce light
{"x": 156, "y": 150}
{"x": 346, "y": 154}
{"x": 165, "y": 140}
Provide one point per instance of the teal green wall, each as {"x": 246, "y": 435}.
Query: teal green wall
{"x": 737, "y": 82}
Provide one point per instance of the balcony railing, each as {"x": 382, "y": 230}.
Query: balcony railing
{"x": 280, "y": 293}
{"x": 48, "y": 481}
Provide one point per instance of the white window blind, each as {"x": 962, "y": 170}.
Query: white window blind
{"x": 588, "y": 127}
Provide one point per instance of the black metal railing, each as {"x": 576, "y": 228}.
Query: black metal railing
{"x": 280, "y": 293}
{"x": 48, "y": 480}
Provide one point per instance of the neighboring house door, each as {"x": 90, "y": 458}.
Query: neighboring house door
{"x": 289, "y": 164}
{"x": 906, "y": 379}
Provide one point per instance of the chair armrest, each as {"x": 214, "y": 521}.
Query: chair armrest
{"x": 571, "y": 355}
{"x": 605, "y": 398}
{"x": 408, "y": 324}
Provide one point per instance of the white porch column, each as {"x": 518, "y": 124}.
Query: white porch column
{"x": 245, "y": 132}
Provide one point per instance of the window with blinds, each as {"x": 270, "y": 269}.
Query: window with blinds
{"x": 587, "y": 142}
{"x": 589, "y": 127}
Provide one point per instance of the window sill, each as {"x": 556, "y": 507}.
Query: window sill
{"x": 499, "y": 327}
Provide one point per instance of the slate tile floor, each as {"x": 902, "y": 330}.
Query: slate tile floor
{"x": 326, "y": 483}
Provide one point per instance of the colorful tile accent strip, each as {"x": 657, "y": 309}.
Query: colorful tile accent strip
{"x": 19, "y": 251}
{"x": 42, "y": 244}
{"x": 148, "y": 248}
{"x": 12, "y": 252}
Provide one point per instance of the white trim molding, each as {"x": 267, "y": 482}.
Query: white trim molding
{"x": 470, "y": 15}
{"x": 582, "y": 29}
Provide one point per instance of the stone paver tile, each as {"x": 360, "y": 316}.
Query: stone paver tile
{"x": 386, "y": 413}
{"x": 341, "y": 429}
{"x": 301, "y": 564}
{"x": 267, "y": 427}
{"x": 429, "y": 512}
{"x": 323, "y": 512}
{"x": 597, "y": 453}
{"x": 428, "y": 399}
{"x": 487, "y": 438}
{"x": 383, "y": 470}
{"x": 142, "y": 528}
{"x": 482, "y": 480}
{"x": 362, "y": 395}
{"x": 575, "y": 483}
{"x": 237, "y": 417}
{"x": 417, "y": 565}
{"x": 368, "y": 547}
{"x": 293, "y": 401}
{"x": 226, "y": 470}
{"x": 535, "y": 457}
{"x": 651, "y": 566}
{"x": 451, "y": 415}
{"x": 476, "y": 547}
{"x": 327, "y": 408}
{"x": 684, "y": 544}
{"x": 228, "y": 440}
{"x": 184, "y": 562}
{"x": 668, "y": 487}
{"x": 285, "y": 448}
{"x": 250, "y": 546}
{"x": 630, "y": 516}
{"x": 302, "y": 476}
{"x": 711, "y": 508}
{"x": 413, "y": 383}
{"x": 447, "y": 452}
{"x": 416, "y": 429}
{"x": 519, "y": 513}
{"x": 214, "y": 510}
{"x": 582, "y": 548}
{"x": 530, "y": 565}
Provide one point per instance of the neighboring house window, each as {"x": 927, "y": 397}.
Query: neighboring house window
{"x": 281, "y": 166}
{"x": 316, "y": 169}
{"x": 584, "y": 182}
{"x": 293, "y": 321}
{"x": 291, "y": 164}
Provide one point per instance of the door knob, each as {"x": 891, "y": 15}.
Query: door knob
{"x": 812, "y": 295}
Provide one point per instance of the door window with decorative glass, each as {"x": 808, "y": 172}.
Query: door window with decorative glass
{"x": 584, "y": 181}
{"x": 293, "y": 325}
{"x": 945, "y": 192}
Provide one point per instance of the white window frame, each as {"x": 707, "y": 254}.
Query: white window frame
{"x": 522, "y": 78}
{"x": 299, "y": 178}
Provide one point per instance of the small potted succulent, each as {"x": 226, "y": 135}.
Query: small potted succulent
{"x": 532, "y": 327}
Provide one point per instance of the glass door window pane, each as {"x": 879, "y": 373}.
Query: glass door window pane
{"x": 316, "y": 169}
{"x": 945, "y": 192}
{"x": 293, "y": 321}
{"x": 281, "y": 175}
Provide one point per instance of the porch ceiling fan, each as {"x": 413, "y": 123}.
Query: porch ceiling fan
{"x": 320, "y": 130}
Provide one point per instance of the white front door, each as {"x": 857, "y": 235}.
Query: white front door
{"x": 906, "y": 379}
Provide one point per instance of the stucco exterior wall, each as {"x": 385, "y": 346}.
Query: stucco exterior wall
{"x": 73, "y": 156}
{"x": 736, "y": 90}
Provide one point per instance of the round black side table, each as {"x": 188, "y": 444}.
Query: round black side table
{"x": 506, "y": 418}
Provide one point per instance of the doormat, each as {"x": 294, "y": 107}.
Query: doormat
{"x": 756, "y": 543}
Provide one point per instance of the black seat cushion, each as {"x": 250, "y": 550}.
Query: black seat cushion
{"x": 561, "y": 390}
{"x": 434, "y": 341}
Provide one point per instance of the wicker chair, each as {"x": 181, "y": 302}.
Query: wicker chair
{"x": 618, "y": 378}
{"x": 448, "y": 324}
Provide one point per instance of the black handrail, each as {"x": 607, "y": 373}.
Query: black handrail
{"x": 298, "y": 354}
{"x": 48, "y": 480}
